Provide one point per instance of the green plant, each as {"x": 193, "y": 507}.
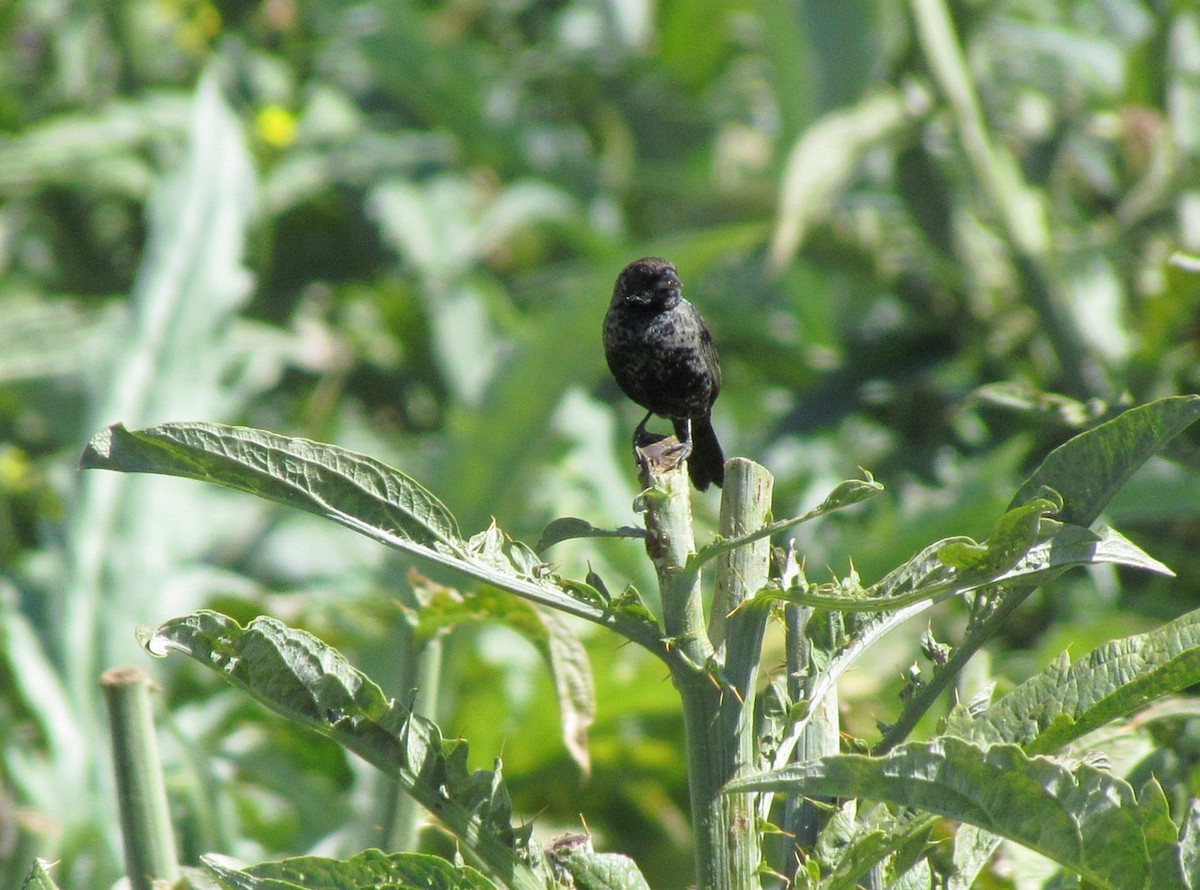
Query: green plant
{"x": 1007, "y": 769}
{"x": 949, "y": 194}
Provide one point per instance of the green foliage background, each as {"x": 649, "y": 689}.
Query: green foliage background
{"x": 395, "y": 226}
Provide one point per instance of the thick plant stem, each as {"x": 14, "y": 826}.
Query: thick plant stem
{"x": 669, "y": 543}
{"x": 741, "y": 573}
{"x": 716, "y": 685}
{"x": 141, "y": 794}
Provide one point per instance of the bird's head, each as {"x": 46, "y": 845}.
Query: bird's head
{"x": 650, "y": 283}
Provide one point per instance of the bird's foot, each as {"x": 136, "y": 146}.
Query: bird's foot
{"x": 677, "y": 451}
{"x": 663, "y": 453}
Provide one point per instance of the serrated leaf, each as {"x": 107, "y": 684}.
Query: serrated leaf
{"x": 356, "y": 491}
{"x": 565, "y": 656}
{"x": 371, "y": 868}
{"x": 303, "y": 679}
{"x": 572, "y": 855}
{"x": 845, "y": 494}
{"x": 856, "y": 839}
{"x": 928, "y": 578}
{"x": 38, "y": 877}
{"x": 566, "y": 528}
{"x": 168, "y": 353}
{"x": 1077, "y": 815}
{"x": 1089, "y": 468}
{"x": 914, "y": 586}
{"x": 1067, "y": 700}
{"x": 321, "y": 479}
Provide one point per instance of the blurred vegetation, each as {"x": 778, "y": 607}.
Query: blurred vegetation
{"x": 933, "y": 240}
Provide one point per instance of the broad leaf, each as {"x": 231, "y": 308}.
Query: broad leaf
{"x": 857, "y": 838}
{"x": 973, "y": 847}
{"x": 358, "y": 492}
{"x": 38, "y": 877}
{"x": 1085, "y": 472}
{"x": 1067, "y": 700}
{"x": 348, "y": 487}
{"x": 301, "y": 678}
{"x": 1088, "y": 469}
{"x": 370, "y": 868}
{"x": 823, "y": 161}
{"x": 1077, "y": 815}
{"x": 444, "y": 607}
{"x": 572, "y": 855}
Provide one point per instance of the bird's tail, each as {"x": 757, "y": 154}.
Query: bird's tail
{"x": 707, "y": 461}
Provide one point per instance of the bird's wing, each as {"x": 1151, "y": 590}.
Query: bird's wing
{"x": 709, "y": 352}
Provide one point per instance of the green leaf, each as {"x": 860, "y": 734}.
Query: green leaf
{"x": 1085, "y": 472}
{"x": 1075, "y": 814}
{"x": 572, "y": 675}
{"x": 44, "y": 337}
{"x": 826, "y": 158}
{"x": 857, "y": 838}
{"x": 371, "y": 868}
{"x": 1189, "y": 844}
{"x": 356, "y": 491}
{"x": 77, "y": 149}
{"x": 1088, "y": 469}
{"x": 573, "y": 855}
{"x": 1012, "y": 536}
{"x": 927, "y": 577}
{"x": 301, "y": 678}
{"x": 845, "y": 494}
{"x": 170, "y": 354}
{"x": 1042, "y": 408}
{"x": 38, "y": 877}
{"x": 321, "y": 479}
{"x": 973, "y": 847}
{"x": 566, "y": 528}
{"x": 565, "y": 655}
{"x": 1067, "y": 700}
{"x": 913, "y": 587}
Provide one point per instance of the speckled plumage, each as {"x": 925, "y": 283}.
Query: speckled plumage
{"x": 661, "y": 353}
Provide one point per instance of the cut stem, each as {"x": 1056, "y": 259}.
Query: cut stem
{"x": 716, "y": 686}
{"x": 141, "y": 794}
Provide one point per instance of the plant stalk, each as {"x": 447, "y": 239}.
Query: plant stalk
{"x": 141, "y": 794}
{"x": 716, "y": 686}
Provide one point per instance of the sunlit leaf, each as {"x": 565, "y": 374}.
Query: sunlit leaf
{"x": 301, "y": 678}
{"x": 567, "y": 528}
{"x": 1069, "y": 699}
{"x": 38, "y": 877}
{"x": 565, "y": 656}
{"x": 1087, "y": 470}
{"x": 1075, "y": 814}
{"x": 354, "y": 490}
{"x": 370, "y": 868}
{"x": 573, "y": 855}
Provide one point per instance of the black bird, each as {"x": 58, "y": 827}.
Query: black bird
{"x": 662, "y": 355}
